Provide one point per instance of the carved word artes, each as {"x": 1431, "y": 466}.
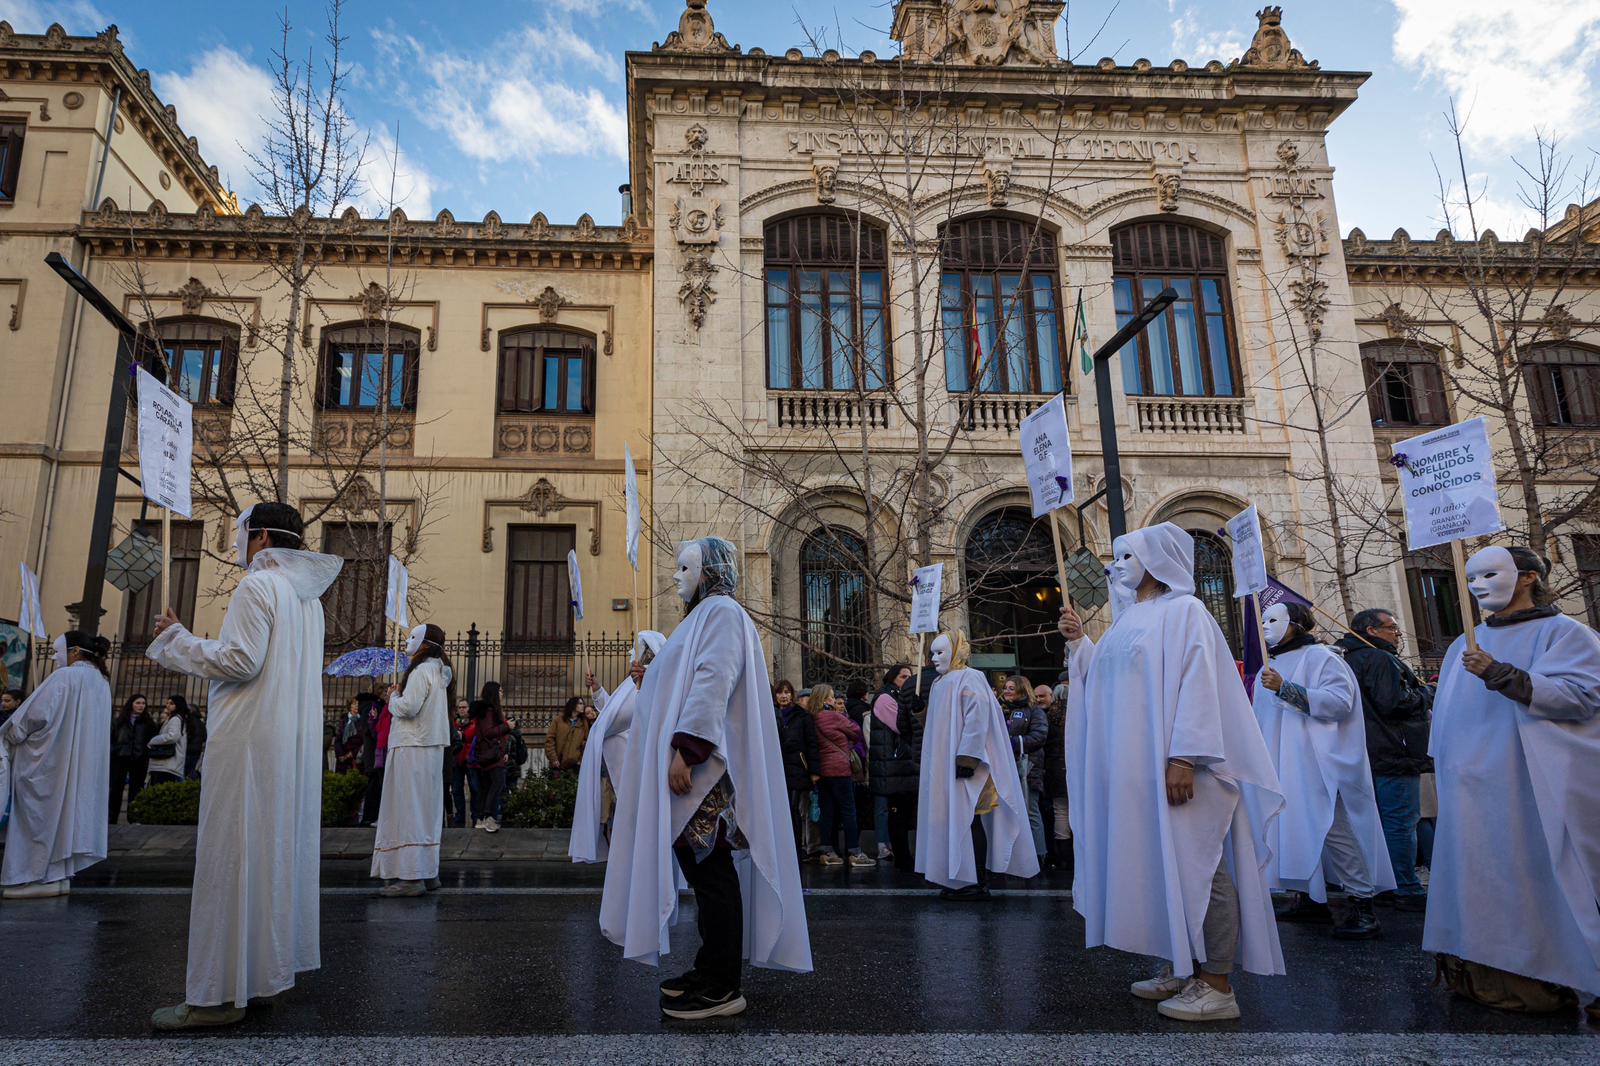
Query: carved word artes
{"x": 695, "y": 33}
{"x": 1270, "y": 49}
{"x": 696, "y": 293}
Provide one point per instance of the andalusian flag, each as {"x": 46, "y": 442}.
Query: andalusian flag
{"x": 1082, "y": 337}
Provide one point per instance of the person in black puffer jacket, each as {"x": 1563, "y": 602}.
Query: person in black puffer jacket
{"x": 894, "y": 760}
{"x": 797, "y": 739}
{"x": 1396, "y": 707}
{"x": 1059, "y": 830}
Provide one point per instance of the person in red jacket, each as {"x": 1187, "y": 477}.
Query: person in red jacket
{"x": 485, "y": 745}
{"x": 836, "y": 791}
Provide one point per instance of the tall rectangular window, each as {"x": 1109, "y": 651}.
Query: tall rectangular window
{"x": 12, "y": 132}
{"x": 203, "y": 356}
{"x": 538, "y": 593}
{"x": 546, "y": 370}
{"x": 1189, "y": 350}
{"x": 998, "y": 307}
{"x": 1564, "y": 385}
{"x": 352, "y": 608}
{"x": 826, "y": 316}
{"x": 358, "y": 371}
{"x": 143, "y": 606}
{"x": 1404, "y": 386}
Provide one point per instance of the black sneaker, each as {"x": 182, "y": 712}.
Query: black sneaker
{"x": 1358, "y": 923}
{"x": 1306, "y": 911}
{"x": 703, "y": 1003}
{"x": 674, "y": 987}
{"x": 967, "y": 894}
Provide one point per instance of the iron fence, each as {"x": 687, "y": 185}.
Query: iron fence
{"x": 536, "y": 677}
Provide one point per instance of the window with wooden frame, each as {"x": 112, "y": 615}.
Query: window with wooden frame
{"x": 352, "y": 607}
{"x": 203, "y": 355}
{"x": 826, "y": 303}
{"x": 538, "y": 590}
{"x": 1191, "y": 349}
{"x": 12, "y": 133}
{"x": 999, "y": 310}
{"x": 356, "y": 369}
{"x": 142, "y": 607}
{"x": 1563, "y": 385}
{"x": 546, "y": 370}
{"x": 1404, "y": 385}
{"x": 1586, "y": 553}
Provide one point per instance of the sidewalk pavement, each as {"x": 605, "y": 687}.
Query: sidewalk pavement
{"x": 177, "y": 841}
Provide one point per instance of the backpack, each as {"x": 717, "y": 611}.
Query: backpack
{"x": 485, "y": 752}
{"x": 1500, "y": 988}
{"x": 519, "y": 748}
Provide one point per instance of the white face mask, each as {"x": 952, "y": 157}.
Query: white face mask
{"x": 1275, "y": 624}
{"x": 59, "y": 650}
{"x": 414, "y": 643}
{"x": 689, "y": 572}
{"x": 943, "y": 653}
{"x": 241, "y": 538}
{"x": 1125, "y": 569}
{"x": 1492, "y": 578}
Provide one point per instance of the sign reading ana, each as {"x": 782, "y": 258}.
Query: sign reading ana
{"x": 1047, "y": 453}
{"x": 166, "y": 445}
{"x": 1249, "y": 560}
{"x": 1447, "y": 480}
{"x": 927, "y": 590}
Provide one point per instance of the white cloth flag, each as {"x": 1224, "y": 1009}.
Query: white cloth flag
{"x": 1447, "y": 479}
{"x": 30, "y": 618}
{"x": 630, "y": 488}
{"x": 1047, "y": 453}
{"x": 926, "y": 592}
{"x": 166, "y": 445}
{"x": 395, "y": 601}
{"x": 1249, "y": 560}
{"x": 575, "y": 579}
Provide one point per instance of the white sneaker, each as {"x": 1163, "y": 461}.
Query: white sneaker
{"x": 884, "y": 854}
{"x": 478, "y": 824}
{"x": 37, "y": 890}
{"x": 830, "y": 858}
{"x": 491, "y": 826}
{"x": 1199, "y": 1002}
{"x": 1162, "y": 986}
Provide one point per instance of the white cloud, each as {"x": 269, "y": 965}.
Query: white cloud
{"x": 224, "y": 101}
{"x": 1197, "y": 46}
{"x": 1492, "y": 208}
{"x": 412, "y": 185}
{"x": 78, "y": 17}
{"x": 1510, "y": 66}
{"x": 596, "y": 7}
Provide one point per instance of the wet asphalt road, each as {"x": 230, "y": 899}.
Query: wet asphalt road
{"x": 507, "y": 964}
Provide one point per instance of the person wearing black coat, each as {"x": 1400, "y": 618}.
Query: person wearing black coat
{"x": 797, "y": 739}
{"x": 1054, "y": 765}
{"x": 1396, "y": 707}
{"x": 894, "y": 762}
{"x": 131, "y": 731}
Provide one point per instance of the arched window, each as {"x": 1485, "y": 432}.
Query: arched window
{"x": 356, "y": 373}
{"x": 204, "y": 357}
{"x": 838, "y": 619}
{"x": 1016, "y": 599}
{"x": 1563, "y": 385}
{"x": 546, "y": 370}
{"x": 826, "y": 293}
{"x": 998, "y": 308}
{"x": 1404, "y": 386}
{"x": 1189, "y": 351}
{"x": 1213, "y": 583}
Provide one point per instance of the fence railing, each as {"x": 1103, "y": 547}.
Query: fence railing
{"x": 536, "y": 677}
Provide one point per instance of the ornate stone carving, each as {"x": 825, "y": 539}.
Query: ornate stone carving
{"x": 550, "y": 302}
{"x": 997, "y": 179}
{"x": 155, "y": 216}
{"x": 349, "y": 220}
{"x": 192, "y": 296}
{"x": 585, "y": 230}
{"x": 825, "y": 172}
{"x": 205, "y": 217}
{"x": 1303, "y": 235}
{"x": 8, "y": 36}
{"x": 696, "y": 222}
{"x": 358, "y": 496}
{"x": 979, "y": 32}
{"x": 538, "y": 227}
{"x": 696, "y": 293}
{"x": 492, "y": 228}
{"x": 373, "y": 300}
{"x": 1559, "y": 322}
{"x": 1397, "y": 321}
{"x": 1168, "y": 183}
{"x": 695, "y": 33}
{"x": 444, "y": 224}
{"x": 1270, "y": 48}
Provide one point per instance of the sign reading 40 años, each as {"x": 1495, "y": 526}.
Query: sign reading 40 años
{"x": 1447, "y": 480}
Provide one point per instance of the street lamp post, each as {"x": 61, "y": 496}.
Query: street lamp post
{"x": 105, "y": 499}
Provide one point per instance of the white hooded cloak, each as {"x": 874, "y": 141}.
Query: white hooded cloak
{"x": 254, "y": 913}
{"x": 59, "y": 742}
{"x": 1321, "y": 757}
{"x": 607, "y": 750}
{"x": 1162, "y": 684}
{"x": 964, "y": 719}
{"x": 1516, "y": 854}
{"x": 405, "y": 845}
{"x": 710, "y": 681}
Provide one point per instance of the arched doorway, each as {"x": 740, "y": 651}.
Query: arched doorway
{"x": 1213, "y": 584}
{"x": 1015, "y": 601}
{"x": 837, "y": 643}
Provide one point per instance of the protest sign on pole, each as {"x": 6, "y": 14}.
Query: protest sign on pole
{"x": 1448, "y": 485}
{"x": 1249, "y": 563}
{"x": 1047, "y": 454}
{"x": 630, "y": 490}
{"x": 575, "y": 581}
{"x": 30, "y": 619}
{"x": 927, "y": 591}
{"x": 166, "y": 460}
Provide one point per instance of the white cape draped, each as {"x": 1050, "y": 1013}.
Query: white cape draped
{"x": 1516, "y": 854}
{"x": 59, "y": 742}
{"x": 608, "y": 746}
{"x": 1162, "y": 683}
{"x": 964, "y": 719}
{"x": 710, "y": 680}
{"x": 253, "y": 918}
{"x": 1320, "y": 757}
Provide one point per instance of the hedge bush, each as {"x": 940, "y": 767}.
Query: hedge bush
{"x": 178, "y": 802}
{"x": 543, "y": 802}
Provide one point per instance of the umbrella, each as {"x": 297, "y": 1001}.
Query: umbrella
{"x": 368, "y": 662}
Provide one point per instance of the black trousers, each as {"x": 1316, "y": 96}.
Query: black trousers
{"x": 720, "y": 913}
{"x": 980, "y": 851}
{"x": 374, "y": 798}
{"x": 902, "y": 819}
{"x": 127, "y": 773}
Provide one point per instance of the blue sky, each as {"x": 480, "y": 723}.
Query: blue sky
{"x": 519, "y": 106}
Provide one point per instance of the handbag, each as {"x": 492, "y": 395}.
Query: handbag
{"x": 858, "y": 771}
{"x": 167, "y": 749}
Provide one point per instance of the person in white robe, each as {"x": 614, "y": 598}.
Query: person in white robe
{"x": 253, "y": 916}
{"x": 971, "y": 814}
{"x": 1161, "y": 746}
{"x": 705, "y": 780}
{"x": 58, "y": 744}
{"x": 405, "y": 847}
{"x": 1516, "y": 749}
{"x": 1309, "y": 706}
{"x": 605, "y": 752}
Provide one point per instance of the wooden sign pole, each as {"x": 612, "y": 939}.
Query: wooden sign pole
{"x": 1061, "y": 562}
{"x": 1261, "y": 627}
{"x": 922, "y": 653}
{"x": 1458, "y": 556}
{"x": 166, "y": 559}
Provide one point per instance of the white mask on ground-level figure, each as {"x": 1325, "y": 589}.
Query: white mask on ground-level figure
{"x": 1275, "y": 624}
{"x": 943, "y": 654}
{"x": 1125, "y": 569}
{"x": 414, "y": 643}
{"x": 690, "y": 570}
{"x": 241, "y": 537}
{"x": 1492, "y": 578}
{"x": 59, "y": 650}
